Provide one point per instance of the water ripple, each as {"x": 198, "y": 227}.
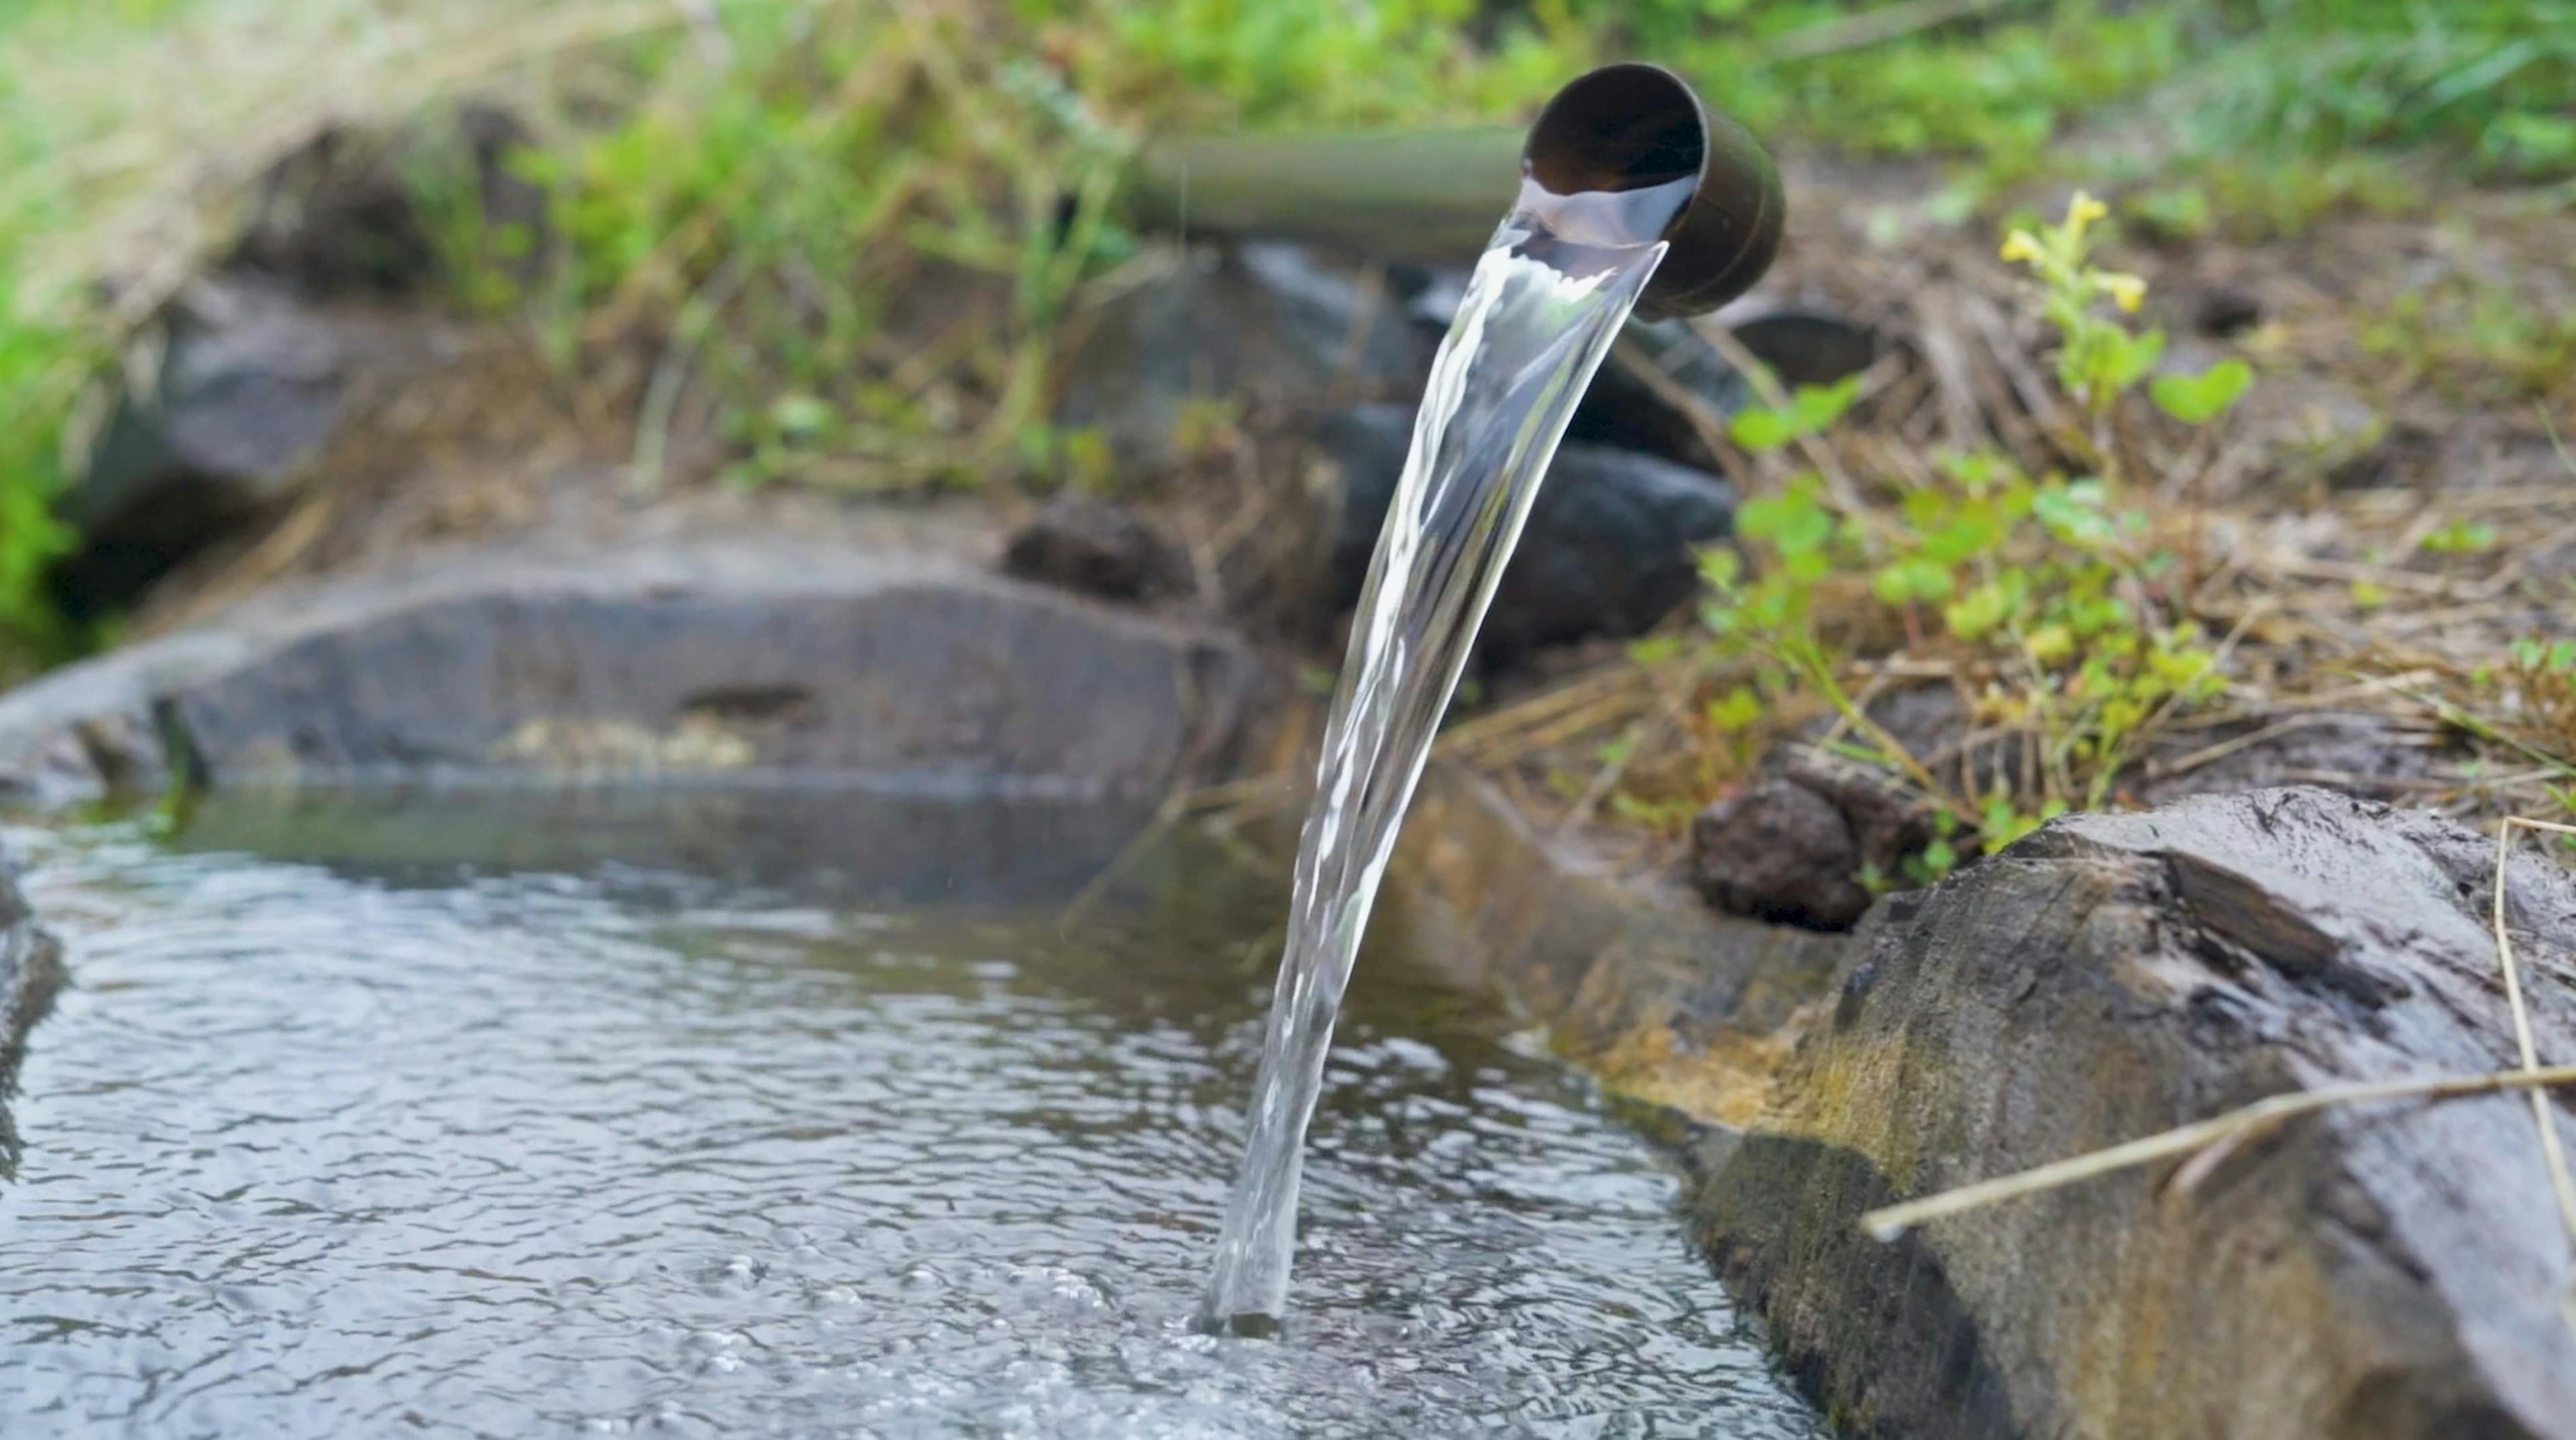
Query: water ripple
{"x": 315, "y": 1154}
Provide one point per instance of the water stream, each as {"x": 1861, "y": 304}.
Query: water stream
{"x": 1545, "y": 303}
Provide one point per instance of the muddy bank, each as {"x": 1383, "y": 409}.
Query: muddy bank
{"x": 2387, "y": 1271}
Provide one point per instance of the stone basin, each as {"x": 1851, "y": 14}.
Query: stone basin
{"x": 2389, "y": 1272}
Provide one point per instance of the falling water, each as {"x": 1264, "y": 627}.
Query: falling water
{"x": 1546, "y": 300}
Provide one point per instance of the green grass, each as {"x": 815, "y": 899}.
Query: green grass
{"x": 763, "y": 195}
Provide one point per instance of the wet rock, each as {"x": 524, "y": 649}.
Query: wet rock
{"x": 1638, "y": 981}
{"x": 1262, "y": 326}
{"x": 30, "y": 973}
{"x": 2392, "y": 1272}
{"x": 2360, "y": 752}
{"x": 1097, "y": 547}
{"x": 707, "y": 661}
{"x": 1780, "y": 852}
{"x": 1630, "y": 402}
{"x": 1611, "y": 546}
{"x": 252, "y": 382}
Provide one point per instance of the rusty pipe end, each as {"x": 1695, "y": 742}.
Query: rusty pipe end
{"x": 1631, "y": 125}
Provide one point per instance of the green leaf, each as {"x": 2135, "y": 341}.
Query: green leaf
{"x": 1913, "y": 578}
{"x": 2461, "y": 537}
{"x": 2127, "y": 360}
{"x": 1720, "y": 567}
{"x": 1653, "y": 650}
{"x": 1815, "y": 407}
{"x": 1810, "y": 409}
{"x": 1735, "y": 710}
{"x": 1978, "y": 611}
{"x": 2074, "y": 513}
{"x": 1762, "y": 430}
{"x": 1791, "y": 521}
{"x": 2199, "y": 399}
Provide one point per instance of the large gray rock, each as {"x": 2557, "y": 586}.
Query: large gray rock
{"x": 1263, "y": 327}
{"x": 705, "y": 662}
{"x": 253, "y": 380}
{"x": 1611, "y": 546}
{"x": 2390, "y": 1272}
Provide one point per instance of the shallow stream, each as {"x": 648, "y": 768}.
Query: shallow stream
{"x": 731, "y": 1117}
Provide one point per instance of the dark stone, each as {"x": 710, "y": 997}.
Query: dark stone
{"x": 707, "y": 662}
{"x": 1889, "y": 823}
{"x": 2225, "y": 310}
{"x": 2391, "y": 1271}
{"x": 252, "y": 383}
{"x": 1264, "y": 327}
{"x": 1801, "y": 344}
{"x": 1623, "y": 408}
{"x": 1611, "y": 546}
{"x": 1097, "y": 547}
{"x": 342, "y": 214}
{"x": 1779, "y": 851}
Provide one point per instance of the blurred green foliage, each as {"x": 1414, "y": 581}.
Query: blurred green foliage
{"x": 762, "y": 191}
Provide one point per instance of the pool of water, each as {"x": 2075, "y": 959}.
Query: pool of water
{"x": 506, "y": 1121}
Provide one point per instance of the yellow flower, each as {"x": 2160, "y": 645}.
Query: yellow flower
{"x": 2021, "y": 245}
{"x": 2083, "y": 210}
{"x": 2127, "y": 291}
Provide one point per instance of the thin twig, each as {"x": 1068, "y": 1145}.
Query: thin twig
{"x": 2552, "y": 1153}
{"x": 1894, "y": 1220}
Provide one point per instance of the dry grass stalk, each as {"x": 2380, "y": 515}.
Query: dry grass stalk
{"x": 1892, "y": 1221}
{"x": 2552, "y": 1152}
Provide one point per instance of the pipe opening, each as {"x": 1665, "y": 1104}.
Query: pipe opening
{"x": 1627, "y": 155}
{"x": 1620, "y": 128}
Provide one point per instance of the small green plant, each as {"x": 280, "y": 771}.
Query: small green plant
{"x": 2100, "y": 357}
{"x": 2042, "y": 593}
{"x": 2474, "y": 339}
{"x": 2459, "y": 537}
{"x": 2539, "y": 681}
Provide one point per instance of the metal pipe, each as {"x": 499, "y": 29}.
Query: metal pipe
{"x": 1436, "y": 196}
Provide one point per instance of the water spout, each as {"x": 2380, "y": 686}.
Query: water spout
{"x": 1615, "y": 212}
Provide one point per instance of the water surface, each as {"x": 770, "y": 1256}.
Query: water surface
{"x": 393, "y": 1140}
